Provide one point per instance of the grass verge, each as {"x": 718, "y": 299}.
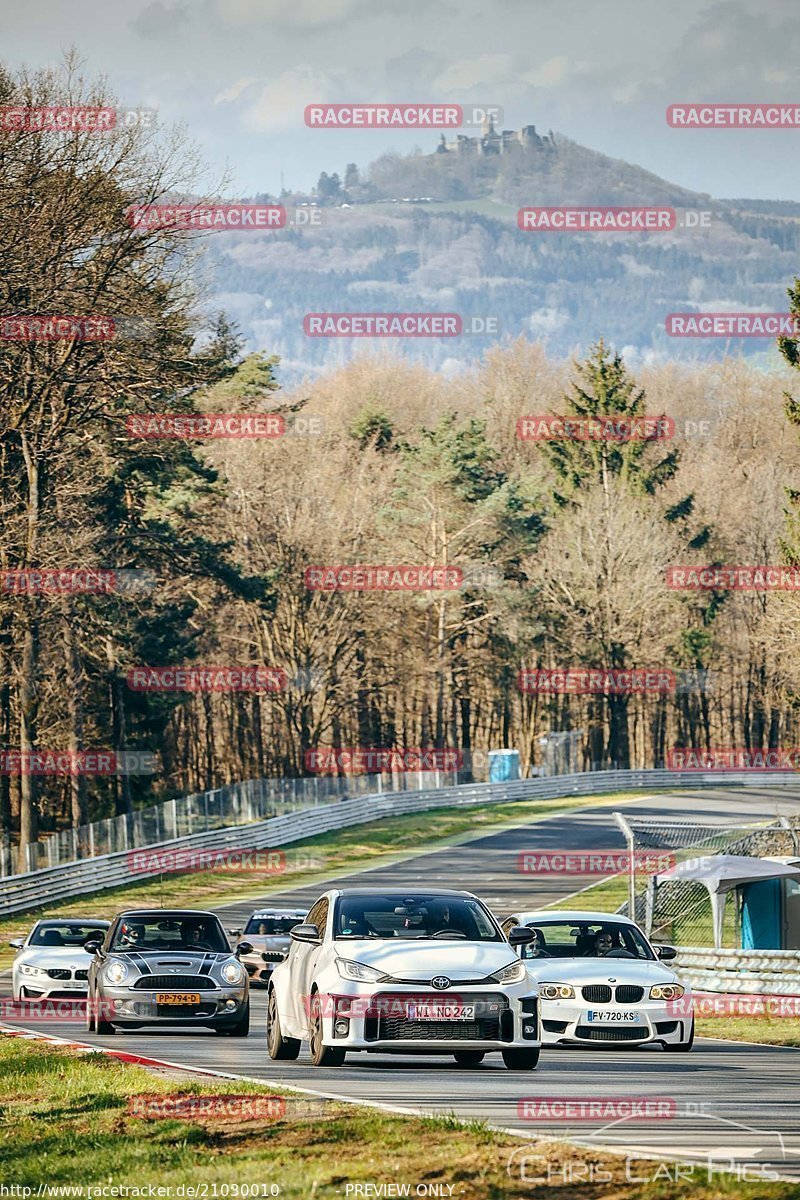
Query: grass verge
{"x": 66, "y": 1121}
{"x": 320, "y": 857}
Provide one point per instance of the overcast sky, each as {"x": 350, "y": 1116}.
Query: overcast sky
{"x": 239, "y": 73}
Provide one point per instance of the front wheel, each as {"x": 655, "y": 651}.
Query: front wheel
{"x": 242, "y": 1026}
{"x": 278, "y": 1047}
{"x": 90, "y": 1011}
{"x": 321, "y": 1055}
{"x": 523, "y": 1059}
{"x": 469, "y": 1058}
{"x": 681, "y": 1047}
{"x": 100, "y": 1025}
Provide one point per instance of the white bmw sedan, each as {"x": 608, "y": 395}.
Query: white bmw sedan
{"x": 403, "y": 972}
{"x": 51, "y": 962}
{"x": 602, "y": 983}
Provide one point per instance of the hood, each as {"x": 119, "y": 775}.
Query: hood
{"x": 163, "y": 960}
{"x": 267, "y": 941}
{"x": 71, "y": 957}
{"x": 419, "y": 960}
{"x": 599, "y": 970}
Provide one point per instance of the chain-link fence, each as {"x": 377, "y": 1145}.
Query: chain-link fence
{"x": 234, "y": 804}
{"x": 680, "y": 911}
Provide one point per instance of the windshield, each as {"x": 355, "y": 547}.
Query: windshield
{"x": 67, "y": 933}
{"x": 586, "y": 939}
{"x": 272, "y": 926}
{"x": 164, "y": 933}
{"x": 373, "y": 915}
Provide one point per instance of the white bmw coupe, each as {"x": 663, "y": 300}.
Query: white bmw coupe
{"x": 403, "y": 972}
{"x": 602, "y": 983}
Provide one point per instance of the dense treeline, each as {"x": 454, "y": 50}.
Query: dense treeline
{"x": 564, "y": 544}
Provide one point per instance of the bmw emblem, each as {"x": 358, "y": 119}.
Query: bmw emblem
{"x": 440, "y": 982}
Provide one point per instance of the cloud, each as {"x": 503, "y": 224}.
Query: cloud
{"x": 299, "y": 14}
{"x": 229, "y": 94}
{"x": 550, "y": 74}
{"x": 280, "y": 104}
{"x": 488, "y": 69}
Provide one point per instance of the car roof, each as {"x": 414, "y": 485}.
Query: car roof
{"x": 72, "y": 921}
{"x": 591, "y": 916}
{"x": 164, "y": 913}
{"x": 277, "y": 912}
{"x": 411, "y": 892}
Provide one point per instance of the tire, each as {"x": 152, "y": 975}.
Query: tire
{"x": 90, "y": 1011}
{"x": 101, "y": 1026}
{"x": 278, "y": 1047}
{"x": 242, "y": 1026}
{"x": 469, "y": 1058}
{"x": 681, "y": 1047}
{"x": 321, "y": 1055}
{"x": 522, "y": 1058}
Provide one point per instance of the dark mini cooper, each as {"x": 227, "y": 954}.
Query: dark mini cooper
{"x": 167, "y": 967}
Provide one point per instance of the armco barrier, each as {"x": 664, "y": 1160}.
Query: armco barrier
{"x": 21, "y": 892}
{"x": 744, "y": 972}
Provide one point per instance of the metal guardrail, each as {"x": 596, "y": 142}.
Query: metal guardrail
{"x": 21, "y": 892}
{"x": 752, "y": 972}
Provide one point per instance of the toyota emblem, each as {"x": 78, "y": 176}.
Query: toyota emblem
{"x": 440, "y": 982}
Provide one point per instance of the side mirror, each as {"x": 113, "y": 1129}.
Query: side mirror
{"x": 305, "y": 933}
{"x": 235, "y": 932}
{"x": 666, "y": 953}
{"x": 92, "y": 947}
{"x": 17, "y": 943}
{"x": 274, "y": 956}
{"x": 520, "y": 935}
{"x": 244, "y": 948}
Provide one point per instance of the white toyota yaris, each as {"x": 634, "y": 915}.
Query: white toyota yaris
{"x": 602, "y": 983}
{"x": 400, "y": 971}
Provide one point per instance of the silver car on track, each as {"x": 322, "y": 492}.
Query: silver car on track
{"x": 167, "y": 967}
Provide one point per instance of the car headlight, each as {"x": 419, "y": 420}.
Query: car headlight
{"x": 514, "y": 973}
{"x": 26, "y": 969}
{"x": 556, "y": 991}
{"x": 358, "y": 972}
{"x": 116, "y": 971}
{"x": 666, "y": 991}
{"x": 232, "y": 972}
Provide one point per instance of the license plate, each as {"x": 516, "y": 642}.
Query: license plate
{"x": 441, "y": 1012}
{"x": 75, "y": 985}
{"x": 614, "y": 1018}
{"x": 177, "y": 997}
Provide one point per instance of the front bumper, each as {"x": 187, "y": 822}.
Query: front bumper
{"x": 138, "y": 1006}
{"x": 258, "y": 970}
{"x": 45, "y": 988}
{"x": 386, "y": 1019}
{"x": 581, "y": 1023}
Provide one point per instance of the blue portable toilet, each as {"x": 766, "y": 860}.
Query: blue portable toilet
{"x": 762, "y": 915}
{"x": 503, "y": 765}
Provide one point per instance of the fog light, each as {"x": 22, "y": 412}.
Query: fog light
{"x": 230, "y": 1005}
{"x": 118, "y": 1003}
{"x": 341, "y": 1027}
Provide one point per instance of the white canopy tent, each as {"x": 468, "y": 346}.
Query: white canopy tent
{"x": 719, "y": 874}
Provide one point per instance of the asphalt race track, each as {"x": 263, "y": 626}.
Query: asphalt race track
{"x": 736, "y": 1104}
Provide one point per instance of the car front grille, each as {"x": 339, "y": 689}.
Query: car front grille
{"x": 610, "y": 1033}
{"x": 153, "y": 1011}
{"x": 59, "y": 973}
{"x": 175, "y": 983}
{"x": 628, "y": 993}
{"x": 386, "y": 1020}
{"x": 601, "y": 993}
{"x": 597, "y": 993}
